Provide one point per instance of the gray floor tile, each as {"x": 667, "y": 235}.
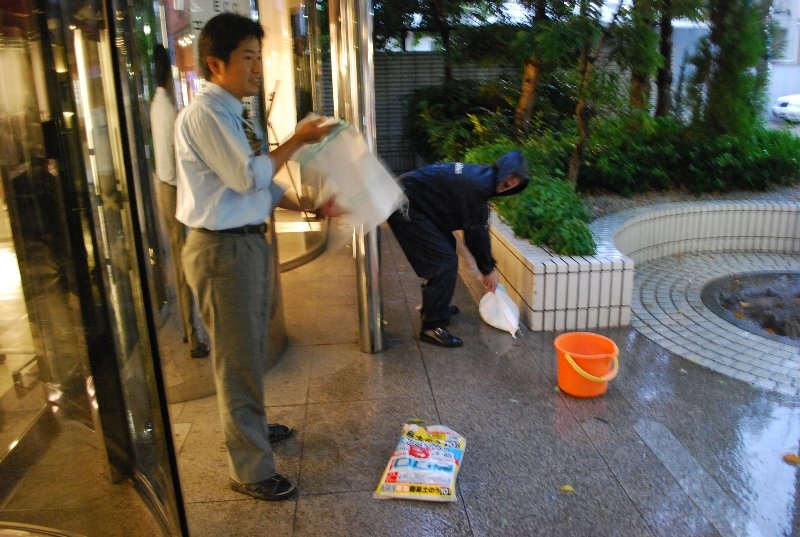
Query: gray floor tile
{"x": 629, "y": 455}
{"x": 358, "y": 513}
{"x": 241, "y": 518}
{"x": 347, "y": 445}
{"x": 343, "y": 373}
{"x": 535, "y": 505}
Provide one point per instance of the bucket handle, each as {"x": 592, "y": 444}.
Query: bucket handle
{"x": 588, "y": 376}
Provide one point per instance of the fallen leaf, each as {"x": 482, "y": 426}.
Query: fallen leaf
{"x": 739, "y": 315}
{"x": 567, "y": 488}
{"x": 744, "y": 304}
{"x": 791, "y": 458}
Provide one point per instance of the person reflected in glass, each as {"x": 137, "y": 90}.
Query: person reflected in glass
{"x": 226, "y": 191}
{"x": 162, "y": 125}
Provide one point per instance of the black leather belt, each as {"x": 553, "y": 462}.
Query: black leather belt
{"x": 252, "y": 229}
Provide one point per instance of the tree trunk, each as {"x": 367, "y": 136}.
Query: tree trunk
{"x": 581, "y": 119}
{"x": 664, "y": 77}
{"x": 440, "y": 19}
{"x": 448, "y": 68}
{"x": 524, "y": 109}
{"x": 586, "y": 69}
{"x": 762, "y": 69}
{"x": 540, "y": 11}
{"x": 640, "y": 90}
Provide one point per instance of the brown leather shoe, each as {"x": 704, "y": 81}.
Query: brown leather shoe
{"x": 274, "y": 489}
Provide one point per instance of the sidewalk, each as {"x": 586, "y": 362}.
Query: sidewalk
{"x": 672, "y": 449}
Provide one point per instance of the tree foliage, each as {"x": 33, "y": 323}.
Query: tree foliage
{"x": 441, "y": 19}
{"x": 727, "y": 89}
{"x": 582, "y": 115}
{"x": 392, "y": 22}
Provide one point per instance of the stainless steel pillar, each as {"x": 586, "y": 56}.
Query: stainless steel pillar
{"x": 354, "y": 101}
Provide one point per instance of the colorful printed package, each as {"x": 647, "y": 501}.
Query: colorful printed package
{"x": 424, "y": 465}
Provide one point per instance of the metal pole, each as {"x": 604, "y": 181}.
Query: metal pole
{"x": 354, "y": 101}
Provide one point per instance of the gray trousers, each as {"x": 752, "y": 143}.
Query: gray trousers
{"x": 167, "y": 198}
{"x": 229, "y": 274}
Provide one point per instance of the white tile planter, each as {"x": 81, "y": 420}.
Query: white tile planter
{"x": 556, "y": 292}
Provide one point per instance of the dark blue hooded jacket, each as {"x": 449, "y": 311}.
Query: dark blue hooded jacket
{"x": 455, "y": 196}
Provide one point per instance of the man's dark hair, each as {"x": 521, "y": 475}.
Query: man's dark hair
{"x": 221, "y": 35}
{"x": 163, "y": 67}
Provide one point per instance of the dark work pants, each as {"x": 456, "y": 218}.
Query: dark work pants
{"x": 432, "y": 254}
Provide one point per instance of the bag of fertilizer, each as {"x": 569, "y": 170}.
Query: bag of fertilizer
{"x": 424, "y": 465}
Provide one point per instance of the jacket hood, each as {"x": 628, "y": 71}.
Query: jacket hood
{"x": 511, "y": 162}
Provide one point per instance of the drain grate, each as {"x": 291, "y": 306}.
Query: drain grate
{"x": 763, "y": 303}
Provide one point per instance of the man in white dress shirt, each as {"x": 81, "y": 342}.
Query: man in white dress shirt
{"x": 225, "y": 193}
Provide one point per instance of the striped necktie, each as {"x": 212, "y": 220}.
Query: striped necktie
{"x": 252, "y": 137}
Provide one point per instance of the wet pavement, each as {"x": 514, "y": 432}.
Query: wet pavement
{"x": 668, "y": 308}
{"x": 673, "y": 448}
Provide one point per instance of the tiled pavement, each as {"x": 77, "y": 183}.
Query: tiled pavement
{"x": 672, "y": 449}
{"x": 668, "y": 309}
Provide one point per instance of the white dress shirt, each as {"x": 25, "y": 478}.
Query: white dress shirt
{"x": 162, "y": 125}
{"x": 222, "y": 183}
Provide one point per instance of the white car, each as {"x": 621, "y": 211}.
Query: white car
{"x": 787, "y": 107}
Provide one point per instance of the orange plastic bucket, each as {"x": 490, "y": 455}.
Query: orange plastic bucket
{"x": 586, "y": 362}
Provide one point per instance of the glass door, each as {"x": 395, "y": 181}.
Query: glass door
{"x": 293, "y": 89}
{"x": 85, "y": 446}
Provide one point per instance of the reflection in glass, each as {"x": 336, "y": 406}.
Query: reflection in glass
{"x": 82, "y": 438}
{"x": 300, "y": 238}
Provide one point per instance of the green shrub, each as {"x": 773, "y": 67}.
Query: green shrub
{"x": 633, "y": 154}
{"x": 762, "y": 160}
{"x": 628, "y": 153}
{"x": 444, "y": 120}
{"x": 549, "y": 213}
{"x": 639, "y": 154}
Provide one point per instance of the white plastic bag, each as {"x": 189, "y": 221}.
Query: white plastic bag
{"x": 498, "y": 310}
{"x": 342, "y": 165}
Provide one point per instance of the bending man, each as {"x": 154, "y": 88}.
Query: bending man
{"x": 442, "y": 198}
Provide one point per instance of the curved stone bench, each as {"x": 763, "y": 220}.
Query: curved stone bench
{"x": 649, "y": 233}
{"x": 558, "y": 292}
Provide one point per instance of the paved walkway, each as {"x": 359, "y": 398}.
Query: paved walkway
{"x": 672, "y": 449}
{"x": 667, "y": 308}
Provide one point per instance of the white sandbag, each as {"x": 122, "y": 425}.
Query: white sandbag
{"x": 498, "y": 310}
{"x": 342, "y": 165}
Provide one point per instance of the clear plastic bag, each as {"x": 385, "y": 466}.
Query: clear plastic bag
{"x": 343, "y": 166}
{"x": 498, "y": 310}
